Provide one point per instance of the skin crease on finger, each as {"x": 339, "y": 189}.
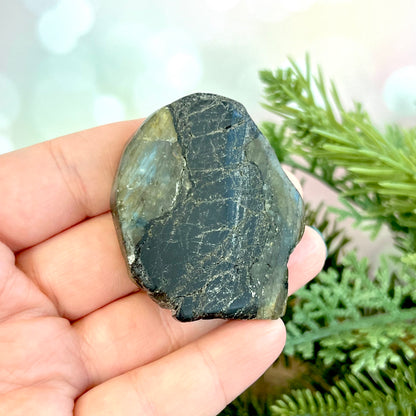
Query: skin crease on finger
{"x": 132, "y": 358}
{"x": 62, "y": 267}
{"x": 120, "y": 320}
{"x": 128, "y": 397}
{"x": 54, "y": 185}
{"x": 122, "y": 352}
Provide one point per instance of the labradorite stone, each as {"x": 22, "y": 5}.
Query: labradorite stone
{"x": 205, "y": 215}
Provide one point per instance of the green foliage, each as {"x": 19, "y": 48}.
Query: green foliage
{"x": 373, "y": 172}
{"x": 346, "y": 315}
{"x": 249, "y": 404}
{"x": 334, "y": 235}
{"x": 350, "y": 318}
{"x": 367, "y": 322}
{"x": 389, "y": 393}
{"x": 355, "y": 323}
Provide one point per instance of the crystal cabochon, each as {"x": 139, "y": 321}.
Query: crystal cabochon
{"x": 205, "y": 215}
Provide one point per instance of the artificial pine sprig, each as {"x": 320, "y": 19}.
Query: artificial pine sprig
{"x": 355, "y": 325}
{"x": 369, "y": 322}
{"x": 389, "y": 393}
{"x": 336, "y": 239}
{"x": 374, "y": 171}
{"x": 374, "y": 175}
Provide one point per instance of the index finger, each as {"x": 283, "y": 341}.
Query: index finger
{"x": 53, "y": 185}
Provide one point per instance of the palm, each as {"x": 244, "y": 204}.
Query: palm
{"x": 75, "y": 335}
{"x": 40, "y": 357}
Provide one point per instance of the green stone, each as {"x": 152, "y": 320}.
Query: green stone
{"x": 205, "y": 215}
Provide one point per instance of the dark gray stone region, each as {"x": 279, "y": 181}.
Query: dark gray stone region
{"x": 205, "y": 215}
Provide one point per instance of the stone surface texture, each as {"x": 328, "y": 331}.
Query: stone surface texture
{"x": 205, "y": 216}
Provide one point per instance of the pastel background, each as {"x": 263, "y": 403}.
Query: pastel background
{"x": 66, "y": 65}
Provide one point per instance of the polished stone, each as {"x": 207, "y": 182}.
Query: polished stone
{"x": 205, "y": 215}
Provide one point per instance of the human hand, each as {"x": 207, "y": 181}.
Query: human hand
{"x": 76, "y": 334}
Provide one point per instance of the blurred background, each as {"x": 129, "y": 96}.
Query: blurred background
{"x": 66, "y": 65}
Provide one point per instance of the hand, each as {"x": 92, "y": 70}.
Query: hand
{"x": 76, "y": 335}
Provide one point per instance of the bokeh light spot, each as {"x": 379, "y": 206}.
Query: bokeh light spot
{"x": 9, "y": 102}
{"x": 64, "y": 95}
{"x": 39, "y": 6}
{"x": 183, "y": 71}
{"x": 221, "y": 5}
{"x": 171, "y": 68}
{"x": 60, "y": 27}
{"x": 399, "y": 92}
{"x": 108, "y": 109}
{"x": 276, "y": 10}
{"x": 6, "y": 144}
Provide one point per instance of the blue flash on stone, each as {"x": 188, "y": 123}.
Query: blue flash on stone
{"x": 205, "y": 215}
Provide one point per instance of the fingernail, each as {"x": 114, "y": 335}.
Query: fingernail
{"x": 323, "y": 239}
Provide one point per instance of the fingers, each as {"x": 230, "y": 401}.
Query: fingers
{"x": 133, "y": 331}
{"x": 81, "y": 269}
{"x": 198, "y": 379}
{"x": 307, "y": 259}
{"x": 202, "y": 375}
{"x": 55, "y": 184}
{"x": 18, "y": 294}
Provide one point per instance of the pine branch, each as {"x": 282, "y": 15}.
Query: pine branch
{"x": 390, "y": 393}
{"x": 347, "y": 316}
{"x": 248, "y": 404}
{"x": 374, "y": 171}
{"x": 335, "y": 237}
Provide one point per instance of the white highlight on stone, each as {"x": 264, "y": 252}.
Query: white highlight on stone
{"x": 9, "y": 102}
{"x": 60, "y": 27}
{"x": 108, "y": 109}
{"x": 131, "y": 258}
{"x": 399, "y": 92}
{"x": 147, "y": 168}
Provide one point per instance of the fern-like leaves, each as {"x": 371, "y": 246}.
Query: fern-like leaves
{"x": 347, "y": 317}
{"x": 389, "y": 393}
